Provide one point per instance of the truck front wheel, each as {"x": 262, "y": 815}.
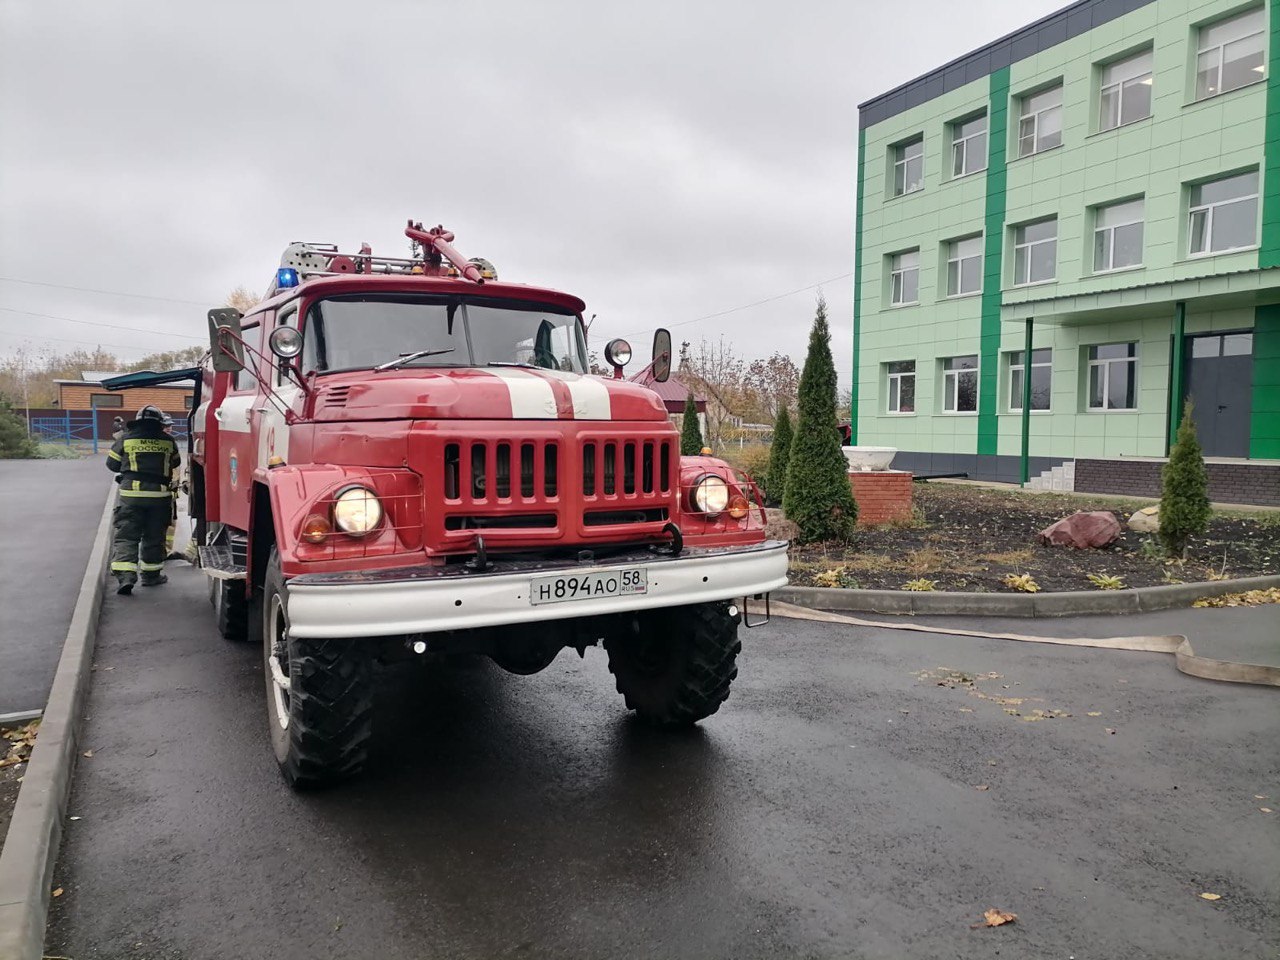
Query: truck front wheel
{"x": 674, "y": 667}
{"x": 319, "y": 695}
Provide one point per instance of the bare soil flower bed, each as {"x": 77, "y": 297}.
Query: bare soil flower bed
{"x": 969, "y": 538}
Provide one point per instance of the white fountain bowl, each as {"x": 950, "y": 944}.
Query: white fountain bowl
{"x": 864, "y": 459}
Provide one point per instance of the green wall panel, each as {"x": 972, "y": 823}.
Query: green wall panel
{"x": 1269, "y": 252}
{"x": 992, "y": 264}
{"x": 1264, "y": 440}
{"x": 857, "y": 287}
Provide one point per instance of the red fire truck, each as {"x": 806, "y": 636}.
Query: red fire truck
{"x": 408, "y": 457}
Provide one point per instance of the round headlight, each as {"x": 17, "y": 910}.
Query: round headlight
{"x": 356, "y": 511}
{"x": 285, "y": 342}
{"x": 711, "y": 494}
{"x": 617, "y": 353}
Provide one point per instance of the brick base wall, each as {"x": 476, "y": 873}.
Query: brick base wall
{"x": 1257, "y": 483}
{"x": 881, "y": 495}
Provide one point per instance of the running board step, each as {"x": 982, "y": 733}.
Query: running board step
{"x": 219, "y": 562}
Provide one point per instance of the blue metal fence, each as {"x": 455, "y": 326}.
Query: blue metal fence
{"x": 81, "y": 429}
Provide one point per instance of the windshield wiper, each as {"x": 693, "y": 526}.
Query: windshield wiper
{"x": 513, "y": 363}
{"x": 410, "y": 357}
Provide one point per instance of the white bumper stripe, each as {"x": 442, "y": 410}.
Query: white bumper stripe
{"x": 398, "y": 607}
{"x": 531, "y": 396}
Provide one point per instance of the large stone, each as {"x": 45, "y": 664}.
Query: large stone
{"x": 1096, "y": 528}
{"x": 1146, "y": 520}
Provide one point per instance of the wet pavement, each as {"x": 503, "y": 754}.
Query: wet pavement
{"x": 49, "y": 513}
{"x": 831, "y": 809}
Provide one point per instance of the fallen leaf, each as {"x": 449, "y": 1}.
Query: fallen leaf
{"x": 1094, "y": 713}
{"x": 982, "y": 786}
{"x": 991, "y": 763}
{"x": 1258, "y": 796}
{"x": 1265, "y": 809}
{"x": 996, "y": 918}
{"x": 58, "y": 892}
{"x": 1111, "y": 730}
{"x": 966, "y": 709}
{"x": 77, "y": 818}
{"x": 87, "y": 753}
{"x": 1210, "y": 896}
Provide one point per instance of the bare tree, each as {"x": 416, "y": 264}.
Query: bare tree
{"x": 242, "y": 299}
{"x": 774, "y": 382}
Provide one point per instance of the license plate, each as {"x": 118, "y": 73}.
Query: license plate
{"x": 564, "y": 587}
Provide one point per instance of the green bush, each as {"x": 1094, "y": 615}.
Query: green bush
{"x": 780, "y": 456}
{"x": 14, "y": 442}
{"x": 57, "y": 451}
{"x": 752, "y": 459}
{"x": 818, "y": 498}
{"x": 690, "y": 432}
{"x": 1184, "y": 496}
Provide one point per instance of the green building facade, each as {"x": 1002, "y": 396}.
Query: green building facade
{"x": 1096, "y": 184}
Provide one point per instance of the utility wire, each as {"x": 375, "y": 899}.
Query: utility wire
{"x": 86, "y": 343}
{"x": 96, "y": 323}
{"x": 110, "y": 293}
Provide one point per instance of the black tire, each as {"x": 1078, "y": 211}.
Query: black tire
{"x": 231, "y": 610}
{"x": 320, "y": 727}
{"x": 674, "y": 667}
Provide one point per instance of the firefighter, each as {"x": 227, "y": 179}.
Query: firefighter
{"x": 146, "y": 458}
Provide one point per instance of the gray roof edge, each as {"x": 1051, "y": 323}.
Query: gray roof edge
{"x": 1114, "y": 7}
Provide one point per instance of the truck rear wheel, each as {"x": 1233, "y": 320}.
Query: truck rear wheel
{"x": 319, "y": 695}
{"x": 674, "y": 667}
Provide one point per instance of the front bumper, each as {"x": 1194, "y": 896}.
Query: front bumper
{"x": 433, "y": 600}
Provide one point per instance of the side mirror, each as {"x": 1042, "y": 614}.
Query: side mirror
{"x": 225, "y": 340}
{"x": 661, "y": 355}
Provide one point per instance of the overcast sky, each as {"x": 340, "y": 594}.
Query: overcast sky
{"x": 664, "y": 161}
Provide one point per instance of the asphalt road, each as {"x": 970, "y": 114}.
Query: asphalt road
{"x": 49, "y": 512}
{"x": 831, "y": 809}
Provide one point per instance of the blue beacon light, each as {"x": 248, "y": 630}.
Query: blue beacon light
{"x": 286, "y": 277}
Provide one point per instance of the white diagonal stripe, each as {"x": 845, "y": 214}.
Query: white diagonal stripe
{"x": 531, "y": 396}
{"x": 590, "y": 397}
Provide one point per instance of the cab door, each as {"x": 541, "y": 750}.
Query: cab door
{"x": 235, "y": 454}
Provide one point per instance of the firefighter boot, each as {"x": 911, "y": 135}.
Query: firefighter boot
{"x": 154, "y": 580}
{"x": 125, "y": 584}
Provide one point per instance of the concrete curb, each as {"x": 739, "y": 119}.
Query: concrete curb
{"x": 1070, "y": 604}
{"x": 35, "y": 832}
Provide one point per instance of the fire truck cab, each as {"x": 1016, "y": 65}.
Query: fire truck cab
{"x": 409, "y": 458}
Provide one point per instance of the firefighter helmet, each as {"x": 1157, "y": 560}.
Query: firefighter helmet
{"x": 151, "y": 413}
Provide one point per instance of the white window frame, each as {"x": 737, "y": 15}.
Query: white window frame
{"x": 1209, "y": 208}
{"x": 900, "y": 161}
{"x": 893, "y": 388}
{"x": 1220, "y": 49}
{"x": 897, "y": 275}
{"x": 1119, "y": 85}
{"x": 951, "y": 385}
{"x": 1035, "y": 116}
{"x": 953, "y": 257}
{"x": 1028, "y": 245}
{"x": 1016, "y": 395}
{"x": 1111, "y": 229}
{"x": 963, "y": 144}
{"x": 1105, "y": 365}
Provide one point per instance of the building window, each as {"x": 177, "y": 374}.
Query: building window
{"x": 960, "y": 384}
{"x": 102, "y": 401}
{"x": 964, "y": 266}
{"x": 904, "y": 278}
{"x": 187, "y": 402}
{"x": 969, "y": 146}
{"x": 1041, "y": 378}
{"x": 1035, "y": 252}
{"x": 1231, "y": 53}
{"x": 908, "y": 167}
{"x": 901, "y": 376}
{"x": 1040, "y": 121}
{"x": 1125, "y": 92}
{"x": 1223, "y": 214}
{"x": 1113, "y": 376}
{"x": 1117, "y": 236}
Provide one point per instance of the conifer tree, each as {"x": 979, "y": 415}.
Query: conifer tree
{"x": 775, "y": 484}
{"x": 818, "y": 497}
{"x": 1184, "y": 495}
{"x": 14, "y": 442}
{"x": 690, "y": 432}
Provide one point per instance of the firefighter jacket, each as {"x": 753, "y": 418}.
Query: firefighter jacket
{"x": 146, "y": 458}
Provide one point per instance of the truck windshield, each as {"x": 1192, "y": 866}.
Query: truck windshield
{"x": 359, "y": 333}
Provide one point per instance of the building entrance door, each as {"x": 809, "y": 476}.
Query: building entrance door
{"x": 1220, "y": 384}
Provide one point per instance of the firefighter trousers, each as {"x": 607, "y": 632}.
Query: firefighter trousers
{"x": 138, "y": 546}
